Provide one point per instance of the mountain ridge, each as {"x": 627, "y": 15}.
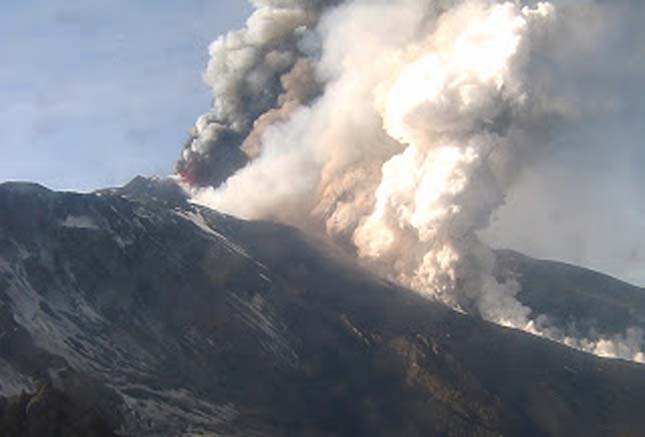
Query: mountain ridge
{"x": 191, "y": 322}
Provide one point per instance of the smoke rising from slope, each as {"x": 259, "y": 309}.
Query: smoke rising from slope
{"x": 399, "y": 127}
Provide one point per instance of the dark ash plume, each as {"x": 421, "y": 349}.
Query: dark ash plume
{"x": 258, "y": 75}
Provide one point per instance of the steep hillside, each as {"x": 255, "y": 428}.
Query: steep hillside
{"x": 171, "y": 319}
{"x": 574, "y": 296}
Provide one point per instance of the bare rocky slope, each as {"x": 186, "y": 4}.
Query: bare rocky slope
{"x": 155, "y": 317}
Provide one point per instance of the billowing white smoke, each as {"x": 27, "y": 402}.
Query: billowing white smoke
{"x": 423, "y": 112}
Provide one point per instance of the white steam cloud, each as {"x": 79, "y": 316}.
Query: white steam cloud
{"x": 399, "y": 127}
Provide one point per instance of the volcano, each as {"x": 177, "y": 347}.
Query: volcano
{"x": 131, "y": 311}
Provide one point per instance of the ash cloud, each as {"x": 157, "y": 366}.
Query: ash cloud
{"x": 257, "y": 75}
{"x": 400, "y": 127}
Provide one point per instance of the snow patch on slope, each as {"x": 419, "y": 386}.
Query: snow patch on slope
{"x": 198, "y": 220}
{"x": 79, "y": 222}
{"x": 176, "y": 406}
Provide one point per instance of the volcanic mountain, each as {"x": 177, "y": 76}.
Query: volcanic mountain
{"x": 131, "y": 311}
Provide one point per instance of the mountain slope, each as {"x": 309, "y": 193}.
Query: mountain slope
{"x": 573, "y": 296}
{"x": 177, "y": 320}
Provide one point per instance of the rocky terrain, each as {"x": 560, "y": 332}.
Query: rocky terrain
{"x": 131, "y": 311}
{"x": 49, "y": 412}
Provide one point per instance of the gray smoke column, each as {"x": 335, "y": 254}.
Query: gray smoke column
{"x": 398, "y": 127}
{"x": 257, "y": 75}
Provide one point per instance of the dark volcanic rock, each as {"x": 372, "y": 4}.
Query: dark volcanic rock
{"x": 50, "y": 413}
{"x": 573, "y": 296}
{"x": 190, "y": 322}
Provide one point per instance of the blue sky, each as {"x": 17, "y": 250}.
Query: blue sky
{"x": 94, "y": 92}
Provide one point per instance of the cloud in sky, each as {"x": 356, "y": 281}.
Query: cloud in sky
{"x": 94, "y": 92}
